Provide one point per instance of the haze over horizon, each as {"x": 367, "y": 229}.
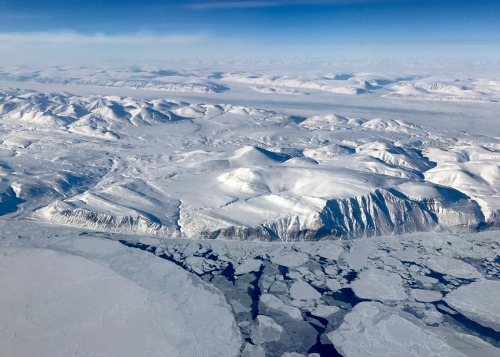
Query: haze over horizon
{"x": 66, "y": 32}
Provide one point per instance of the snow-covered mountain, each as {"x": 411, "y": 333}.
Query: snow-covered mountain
{"x": 350, "y": 86}
{"x": 157, "y": 80}
{"x": 440, "y": 91}
{"x": 284, "y": 80}
{"x": 174, "y": 169}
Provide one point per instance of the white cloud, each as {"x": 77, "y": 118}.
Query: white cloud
{"x": 68, "y": 47}
{"x": 213, "y": 5}
{"x": 233, "y": 5}
{"x": 74, "y": 38}
{"x": 72, "y": 48}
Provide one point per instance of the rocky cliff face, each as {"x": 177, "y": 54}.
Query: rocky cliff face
{"x": 382, "y": 212}
{"x": 135, "y": 222}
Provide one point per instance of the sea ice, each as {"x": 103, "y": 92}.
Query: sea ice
{"x": 59, "y": 303}
{"x": 372, "y": 330}
{"x": 378, "y": 284}
{"x": 479, "y": 301}
{"x": 291, "y": 259}
{"x": 249, "y": 265}
{"x": 453, "y": 267}
{"x": 266, "y": 330}
{"x": 300, "y": 290}
{"x": 425, "y": 295}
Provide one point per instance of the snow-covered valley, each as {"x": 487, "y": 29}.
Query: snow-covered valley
{"x": 166, "y": 212}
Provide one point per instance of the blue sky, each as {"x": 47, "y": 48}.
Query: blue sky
{"x": 274, "y": 28}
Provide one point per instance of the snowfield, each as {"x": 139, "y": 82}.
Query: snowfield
{"x": 244, "y": 212}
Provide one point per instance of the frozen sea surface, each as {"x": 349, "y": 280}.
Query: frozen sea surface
{"x": 69, "y": 287}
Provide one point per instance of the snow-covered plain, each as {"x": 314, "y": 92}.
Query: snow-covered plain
{"x": 117, "y": 178}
